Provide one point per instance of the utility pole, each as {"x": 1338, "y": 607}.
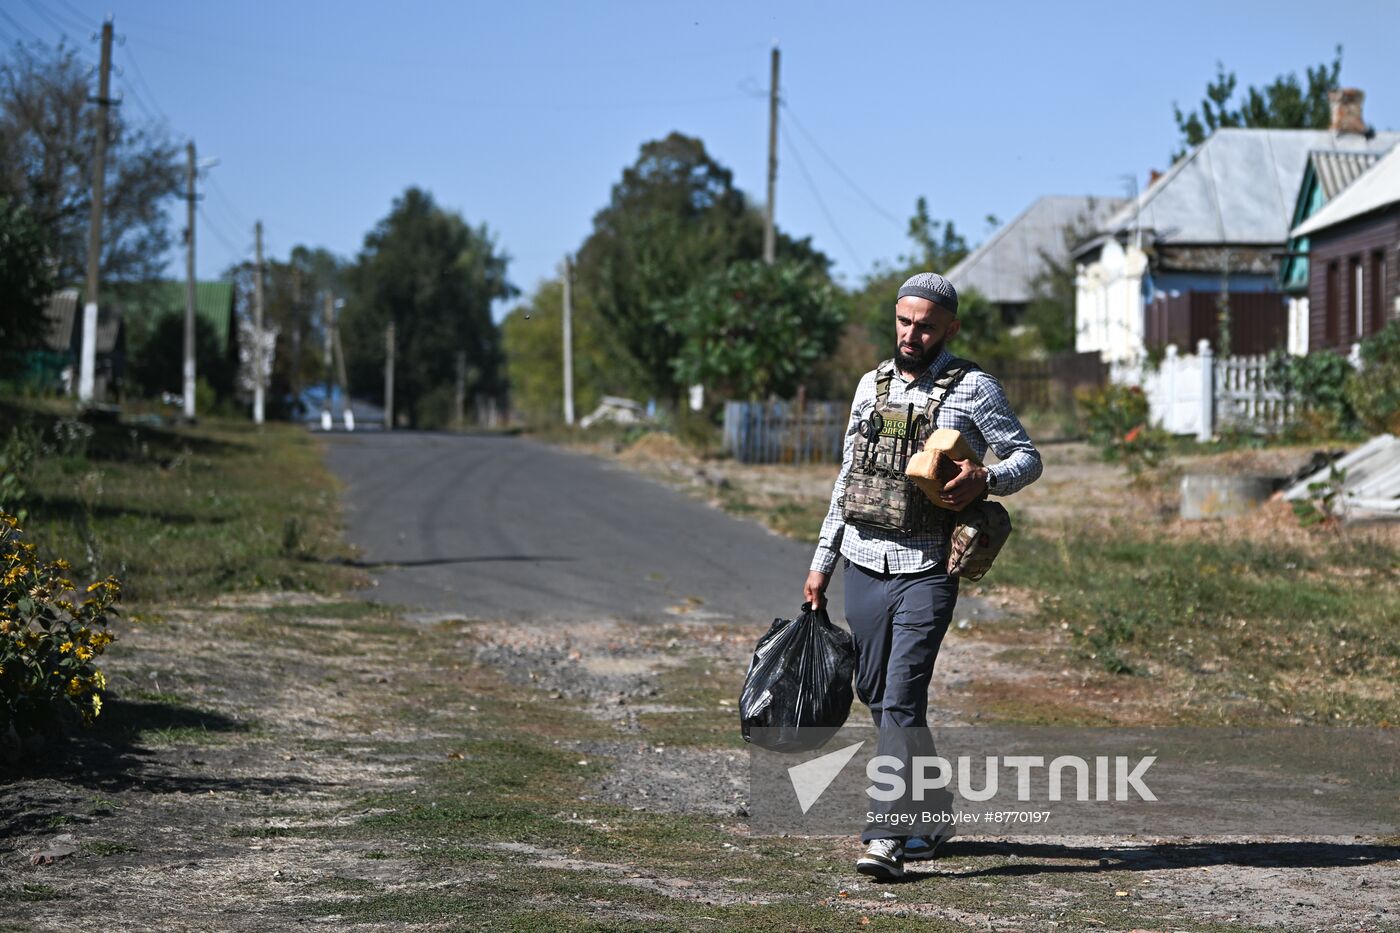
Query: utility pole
{"x": 87, "y": 365}
{"x": 389, "y": 376}
{"x": 770, "y": 243}
{"x": 568, "y": 342}
{"x": 296, "y": 332}
{"x": 189, "y": 368}
{"x": 328, "y": 311}
{"x": 258, "y": 380}
{"x": 346, "y": 412}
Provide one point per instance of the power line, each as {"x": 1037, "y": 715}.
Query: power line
{"x": 21, "y": 27}
{"x": 238, "y": 216}
{"x": 811, "y": 184}
{"x": 837, "y": 168}
{"x": 145, "y": 85}
{"x": 239, "y": 251}
{"x": 77, "y": 14}
{"x": 44, "y": 15}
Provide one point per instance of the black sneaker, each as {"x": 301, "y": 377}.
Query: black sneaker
{"x": 883, "y": 860}
{"x": 918, "y": 848}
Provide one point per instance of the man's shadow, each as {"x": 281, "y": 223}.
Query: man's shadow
{"x": 1155, "y": 857}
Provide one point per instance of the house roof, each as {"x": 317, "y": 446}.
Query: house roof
{"x": 1377, "y": 188}
{"x": 1237, "y": 187}
{"x": 147, "y": 303}
{"x": 1335, "y": 169}
{"x": 1004, "y": 268}
{"x": 64, "y": 317}
{"x": 60, "y": 312}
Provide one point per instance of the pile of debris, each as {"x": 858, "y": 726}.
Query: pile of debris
{"x": 1368, "y": 477}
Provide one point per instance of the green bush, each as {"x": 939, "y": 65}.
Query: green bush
{"x": 1117, "y": 421}
{"x": 1374, "y": 391}
{"x": 48, "y": 644}
{"x": 1317, "y": 382}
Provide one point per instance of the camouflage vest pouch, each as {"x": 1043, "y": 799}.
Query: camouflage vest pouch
{"x": 878, "y": 494}
{"x": 982, "y": 528}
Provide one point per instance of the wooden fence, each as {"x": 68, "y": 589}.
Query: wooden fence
{"x": 1050, "y": 383}
{"x": 785, "y": 432}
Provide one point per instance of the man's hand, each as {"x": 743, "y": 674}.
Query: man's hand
{"x": 814, "y": 591}
{"x": 962, "y": 490}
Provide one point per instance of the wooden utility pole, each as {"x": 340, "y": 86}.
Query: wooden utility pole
{"x": 347, "y": 413}
{"x": 296, "y": 332}
{"x": 389, "y": 376}
{"x": 327, "y": 313}
{"x": 770, "y": 243}
{"x": 189, "y": 368}
{"x": 258, "y": 377}
{"x": 87, "y": 364}
{"x": 568, "y": 342}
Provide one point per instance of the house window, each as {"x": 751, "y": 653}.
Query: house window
{"x": 1356, "y": 300}
{"x": 1332, "y": 310}
{"x": 1377, "y": 291}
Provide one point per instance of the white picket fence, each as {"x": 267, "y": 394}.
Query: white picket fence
{"x": 1201, "y": 394}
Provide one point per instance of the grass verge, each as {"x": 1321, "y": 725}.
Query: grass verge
{"x": 177, "y": 513}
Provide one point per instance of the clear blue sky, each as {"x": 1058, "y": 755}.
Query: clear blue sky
{"x": 522, "y": 115}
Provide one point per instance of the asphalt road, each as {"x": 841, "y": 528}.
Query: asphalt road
{"x": 503, "y": 527}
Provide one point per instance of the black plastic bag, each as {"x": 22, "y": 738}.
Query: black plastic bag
{"x": 798, "y": 689}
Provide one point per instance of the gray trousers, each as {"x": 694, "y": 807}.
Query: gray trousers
{"x": 898, "y": 621}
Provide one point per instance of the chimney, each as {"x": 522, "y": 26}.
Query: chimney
{"x": 1346, "y": 110}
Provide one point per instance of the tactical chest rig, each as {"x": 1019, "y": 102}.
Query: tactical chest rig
{"x": 878, "y": 494}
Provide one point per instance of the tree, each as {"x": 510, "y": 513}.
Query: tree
{"x": 937, "y": 247}
{"x": 1282, "y": 104}
{"x": 26, "y": 279}
{"x": 674, "y": 218}
{"x": 46, "y": 148}
{"x": 294, "y": 291}
{"x": 435, "y": 276}
{"x": 752, "y": 330}
{"x": 533, "y": 342}
{"x": 157, "y": 362}
{"x": 1050, "y": 312}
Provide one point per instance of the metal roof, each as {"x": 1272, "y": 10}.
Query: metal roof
{"x": 1335, "y": 170}
{"x": 1380, "y": 187}
{"x": 1004, "y": 268}
{"x": 64, "y": 314}
{"x": 148, "y": 302}
{"x": 1239, "y": 186}
{"x": 60, "y": 312}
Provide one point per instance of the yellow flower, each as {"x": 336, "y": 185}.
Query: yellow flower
{"x": 75, "y": 687}
{"x": 66, "y": 647}
{"x": 96, "y": 705}
{"x": 83, "y": 654}
{"x": 94, "y": 586}
{"x": 99, "y": 680}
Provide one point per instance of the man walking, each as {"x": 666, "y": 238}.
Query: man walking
{"x": 899, "y": 595}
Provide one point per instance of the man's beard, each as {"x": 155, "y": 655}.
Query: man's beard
{"x": 919, "y": 361}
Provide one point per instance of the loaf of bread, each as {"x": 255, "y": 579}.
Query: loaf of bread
{"x": 933, "y": 466}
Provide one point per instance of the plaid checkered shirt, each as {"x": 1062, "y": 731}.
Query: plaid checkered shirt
{"x": 978, "y": 408}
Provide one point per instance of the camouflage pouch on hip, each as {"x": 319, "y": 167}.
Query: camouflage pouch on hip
{"x": 978, "y": 535}
{"x": 884, "y": 500}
